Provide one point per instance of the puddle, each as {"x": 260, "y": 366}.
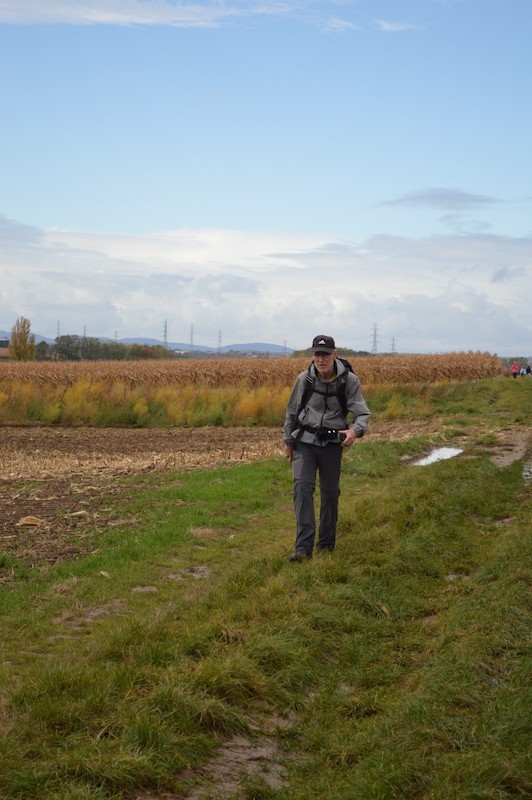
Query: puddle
{"x": 440, "y": 454}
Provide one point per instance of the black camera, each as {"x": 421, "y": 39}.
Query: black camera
{"x": 329, "y": 435}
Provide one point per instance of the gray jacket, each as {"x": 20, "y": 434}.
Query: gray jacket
{"x": 323, "y": 409}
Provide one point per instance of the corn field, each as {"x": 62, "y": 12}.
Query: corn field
{"x": 223, "y": 392}
{"x": 250, "y": 373}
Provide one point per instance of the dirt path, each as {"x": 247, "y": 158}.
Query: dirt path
{"x": 57, "y": 482}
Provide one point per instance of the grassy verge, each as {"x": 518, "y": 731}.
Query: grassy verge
{"x": 394, "y": 668}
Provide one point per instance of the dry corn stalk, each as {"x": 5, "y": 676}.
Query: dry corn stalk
{"x": 245, "y": 372}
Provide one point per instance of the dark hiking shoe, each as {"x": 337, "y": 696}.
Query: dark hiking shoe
{"x": 300, "y": 555}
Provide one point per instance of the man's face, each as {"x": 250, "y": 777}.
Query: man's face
{"x": 324, "y": 363}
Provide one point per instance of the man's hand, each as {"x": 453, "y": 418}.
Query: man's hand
{"x": 289, "y": 450}
{"x": 350, "y": 436}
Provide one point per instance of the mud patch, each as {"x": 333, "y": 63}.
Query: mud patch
{"x": 508, "y": 452}
{"x": 452, "y": 577}
{"x": 237, "y": 759}
{"x": 201, "y": 571}
{"x": 79, "y": 618}
{"x": 144, "y": 590}
{"x": 198, "y": 572}
{"x": 204, "y": 533}
{"x": 499, "y": 523}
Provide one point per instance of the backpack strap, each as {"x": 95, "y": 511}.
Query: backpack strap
{"x": 341, "y": 384}
{"x": 308, "y": 391}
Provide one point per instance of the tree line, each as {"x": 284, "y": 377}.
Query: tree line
{"x": 23, "y": 347}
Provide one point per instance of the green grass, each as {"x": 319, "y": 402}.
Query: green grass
{"x": 397, "y": 667}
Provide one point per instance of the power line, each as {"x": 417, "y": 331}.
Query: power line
{"x": 374, "y": 342}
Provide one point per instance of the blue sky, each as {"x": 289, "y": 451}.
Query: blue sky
{"x": 265, "y": 171}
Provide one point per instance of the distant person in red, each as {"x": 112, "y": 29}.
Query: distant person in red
{"x": 515, "y": 369}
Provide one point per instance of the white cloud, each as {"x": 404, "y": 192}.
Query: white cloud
{"x": 336, "y": 25}
{"x": 170, "y": 13}
{"x": 202, "y": 13}
{"x": 439, "y": 293}
{"x": 144, "y": 12}
{"x": 131, "y": 12}
{"x": 395, "y": 27}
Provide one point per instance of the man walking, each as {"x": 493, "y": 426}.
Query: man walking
{"x": 316, "y": 430}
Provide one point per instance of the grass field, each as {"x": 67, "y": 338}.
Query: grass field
{"x": 183, "y": 656}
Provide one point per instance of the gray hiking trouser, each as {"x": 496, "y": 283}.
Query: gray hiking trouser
{"x": 309, "y": 459}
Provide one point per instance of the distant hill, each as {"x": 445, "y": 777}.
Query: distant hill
{"x": 38, "y": 337}
{"x": 258, "y": 347}
{"x": 251, "y": 347}
{"x": 248, "y": 347}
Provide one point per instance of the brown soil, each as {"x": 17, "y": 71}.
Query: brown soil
{"x": 56, "y": 484}
{"x": 60, "y": 486}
